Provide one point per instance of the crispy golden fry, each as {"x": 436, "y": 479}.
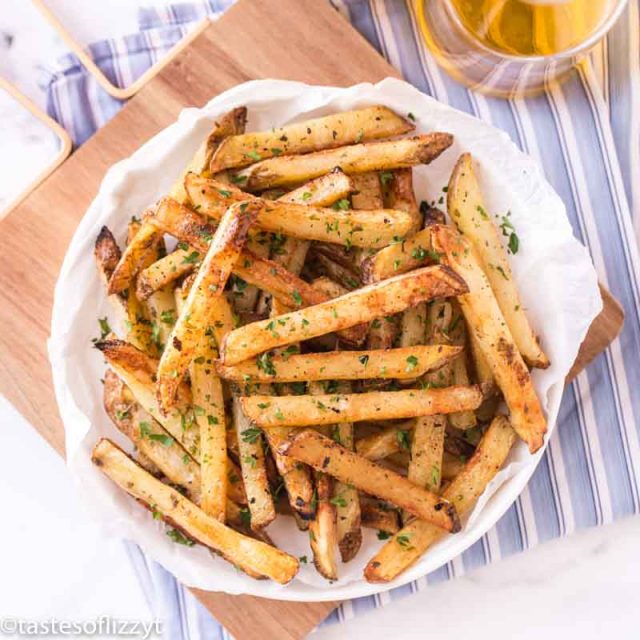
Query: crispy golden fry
{"x": 357, "y": 158}
{"x": 346, "y": 500}
{"x": 382, "y": 444}
{"x": 481, "y": 366}
{"x": 231, "y": 124}
{"x": 107, "y": 254}
{"x": 143, "y": 246}
{"x": 368, "y": 192}
{"x": 325, "y": 455}
{"x": 310, "y": 135}
{"x": 409, "y": 362}
{"x": 380, "y": 299}
{"x": 401, "y": 195}
{"x": 466, "y": 208}
{"x": 137, "y": 370}
{"x": 412, "y": 541}
{"x": 379, "y": 516}
{"x": 400, "y": 257}
{"x": 322, "y": 191}
{"x": 307, "y": 410}
{"x": 375, "y": 228}
{"x": 254, "y": 473}
{"x": 208, "y": 401}
{"x": 323, "y": 265}
{"x": 457, "y": 333}
{"x": 323, "y": 530}
{"x": 427, "y": 448}
{"x": 150, "y": 438}
{"x": 162, "y": 313}
{"x": 166, "y": 270}
{"x": 486, "y": 321}
{"x": 246, "y": 553}
{"x": 413, "y": 326}
{"x": 135, "y": 255}
{"x": 196, "y": 316}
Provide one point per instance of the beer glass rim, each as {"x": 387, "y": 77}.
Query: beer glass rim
{"x": 593, "y": 39}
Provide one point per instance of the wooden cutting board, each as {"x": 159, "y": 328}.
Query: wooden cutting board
{"x": 302, "y": 40}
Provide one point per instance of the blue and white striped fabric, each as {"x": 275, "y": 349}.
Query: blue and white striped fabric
{"x": 586, "y": 135}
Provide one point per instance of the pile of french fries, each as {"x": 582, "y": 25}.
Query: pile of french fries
{"x": 317, "y": 345}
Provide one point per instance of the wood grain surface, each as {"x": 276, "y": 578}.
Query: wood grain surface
{"x": 302, "y": 40}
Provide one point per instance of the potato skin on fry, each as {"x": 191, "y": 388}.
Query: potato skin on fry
{"x": 466, "y": 207}
{"x": 196, "y": 317}
{"x": 291, "y": 411}
{"x": 343, "y": 365}
{"x": 353, "y": 308}
{"x": 401, "y": 551}
{"x": 327, "y": 456}
{"x": 358, "y": 158}
{"x": 325, "y": 132}
{"x": 242, "y": 551}
{"x": 486, "y": 321}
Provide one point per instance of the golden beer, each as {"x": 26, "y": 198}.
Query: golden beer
{"x": 507, "y": 47}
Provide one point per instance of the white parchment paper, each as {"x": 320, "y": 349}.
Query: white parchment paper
{"x": 556, "y": 279}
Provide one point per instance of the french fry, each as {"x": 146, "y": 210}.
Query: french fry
{"x": 107, "y": 255}
{"x": 190, "y": 327}
{"x": 457, "y": 333}
{"x": 378, "y": 516}
{"x": 427, "y": 448}
{"x": 413, "y": 540}
{"x": 382, "y": 444}
{"x": 137, "y": 370}
{"x": 268, "y": 275}
{"x": 305, "y": 411}
{"x": 208, "y": 401}
{"x": 486, "y": 321}
{"x": 166, "y": 270}
{"x": 311, "y": 135}
{"x": 246, "y": 553}
{"x": 327, "y": 456}
{"x": 138, "y": 251}
{"x": 374, "y": 228}
{"x": 401, "y": 195}
{"x": 322, "y": 191}
{"x": 325, "y": 266}
{"x": 400, "y": 257}
{"x": 151, "y": 440}
{"x": 409, "y": 362}
{"x": 368, "y": 192}
{"x": 323, "y": 531}
{"x": 346, "y": 498}
{"x": 466, "y": 208}
{"x": 356, "y": 307}
{"x": 252, "y": 464}
{"x": 230, "y": 124}
{"x": 358, "y": 158}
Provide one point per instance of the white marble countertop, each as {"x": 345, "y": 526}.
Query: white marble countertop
{"x": 584, "y": 586}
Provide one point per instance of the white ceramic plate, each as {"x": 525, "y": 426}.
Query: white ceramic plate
{"x": 554, "y": 273}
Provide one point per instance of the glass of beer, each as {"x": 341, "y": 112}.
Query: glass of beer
{"x": 513, "y": 47}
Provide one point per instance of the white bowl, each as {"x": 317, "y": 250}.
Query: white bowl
{"x": 553, "y": 270}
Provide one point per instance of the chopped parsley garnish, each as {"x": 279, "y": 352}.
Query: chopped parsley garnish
{"x": 177, "y": 536}
{"x": 502, "y": 272}
{"x": 419, "y": 253}
{"x": 306, "y": 196}
{"x": 509, "y": 231}
{"x": 254, "y": 155}
{"x": 278, "y": 414}
{"x": 238, "y": 179}
{"x": 341, "y": 205}
{"x": 250, "y": 435}
{"x": 404, "y": 439}
{"x": 265, "y": 363}
{"x": 168, "y": 316}
{"x": 192, "y": 258}
{"x": 383, "y": 535}
{"x": 411, "y": 116}
{"x": 212, "y": 420}
{"x": 162, "y": 438}
{"x": 480, "y": 209}
{"x": 404, "y": 541}
{"x": 412, "y": 363}
{"x": 338, "y": 501}
{"x": 297, "y": 298}
{"x": 224, "y": 193}
{"x": 105, "y": 329}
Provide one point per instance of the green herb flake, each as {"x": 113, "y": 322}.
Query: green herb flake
{"x": 177, "y": 536}
{"x": 265, "y": 363}
{"x": 105, "y": 329}
{"x": 250, "y": 435}
{"x": 297, "y": 298}
{"x": 404, "y": 439}
{"x": 412, "y": 363}
{"x": 383, "y": 535}
{"x": 254, "y": 155}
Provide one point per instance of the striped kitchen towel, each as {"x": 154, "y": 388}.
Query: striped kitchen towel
{"x": 585, "y": 134}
